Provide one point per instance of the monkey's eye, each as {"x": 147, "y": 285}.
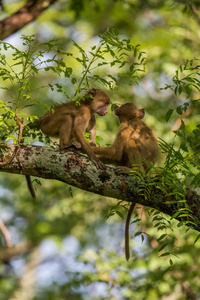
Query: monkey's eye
{"x": 106, "y": 103}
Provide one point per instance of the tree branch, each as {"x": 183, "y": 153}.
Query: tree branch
{"x": 6, "y": 254}
{"x": 23, "y": 16}
{"x": 78, "y": 170}
{"x": 194, "y": 13}
{"x": 6, "y": 234}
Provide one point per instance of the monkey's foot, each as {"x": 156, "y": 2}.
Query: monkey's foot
{"x": 122, "y": 170}
{"x": 99, "y": 164}
{"x": 74, "y": 143}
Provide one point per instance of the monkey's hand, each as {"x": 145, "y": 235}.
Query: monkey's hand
{"x": 122, "y": 170}
{"x": 92, "y": 144}
{"x": 99, "y": 164}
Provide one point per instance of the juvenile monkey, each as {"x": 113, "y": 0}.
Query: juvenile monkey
{"x": 135, "y": 144}
{"x": 69, "y": 122}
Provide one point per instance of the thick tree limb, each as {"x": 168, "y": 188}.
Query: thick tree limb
{"x": 77, "y": 170}
{"x": 23, "y": 16}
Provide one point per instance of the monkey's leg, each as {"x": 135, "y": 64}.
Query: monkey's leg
{"x": 92, "y": 137}
{"x": 92, "y": 130}
{"x": 80, "y": 125}
{"x": 134, "y": 159}
{"x": 89, "y": 150}
{"x": 65, "y": 132}
{"x": 130, "y": 211}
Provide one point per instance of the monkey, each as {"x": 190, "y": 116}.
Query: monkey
{"x": 69, "y": 122}
{"x": 135, "y": 145}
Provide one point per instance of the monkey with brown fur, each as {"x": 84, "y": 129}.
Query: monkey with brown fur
{"x": 69, "y": 122}
{"x": 135, "y": 145}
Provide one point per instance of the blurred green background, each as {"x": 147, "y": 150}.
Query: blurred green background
{"x": 65, "y": 248}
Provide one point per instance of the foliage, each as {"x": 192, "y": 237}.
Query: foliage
{"x": 96, "y": 269}
{"x": 185, "y": 160}
{"x": 180, "y": 168}
{"x": 112, "y": 51}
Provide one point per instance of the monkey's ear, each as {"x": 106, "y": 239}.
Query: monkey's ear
{"x": 141, "y": 113}
{"x": 92, "y": 92}
{"x": 116, "y": 110}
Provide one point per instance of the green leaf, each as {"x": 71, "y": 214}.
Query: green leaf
{"x": 165, "y": 254}
{"x": 37, "y": 181}
{"x": 179, "y": 110}
{"x": 197, "y": 238}
{"x": 175, "y": 215}
{"x": 68, "y": 72}
{"x": 119, "y": 214}
{"x": 161, "y": 237}
{"x": 138, "y": 233}
{"x": 184, "y": 147}
{"x": 180, "y": 89}
{"x": 70, "y": 191}
{"x": 162, "y": 247}
{"x": 34, "y": 69}
{"x": 168, "y": 114}
{"x": 73, "y": 81}
{"x": 135, "y": 221}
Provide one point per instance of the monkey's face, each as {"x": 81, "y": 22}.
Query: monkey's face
{"x": 101, "y": 108}
{"x": 128, "y": 111}
{"x": 98, "y": 102}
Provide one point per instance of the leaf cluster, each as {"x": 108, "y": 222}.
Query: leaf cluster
{"x": 183, "y": 156}
{"x": 186, "y": 79}
{"x": 21, "y": 73}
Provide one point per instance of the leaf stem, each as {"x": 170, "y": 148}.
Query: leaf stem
{"x": 88, "y": 68}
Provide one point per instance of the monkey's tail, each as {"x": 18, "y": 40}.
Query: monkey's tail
{"x": 30, "y": 186}
{"x": 130, "y": 211}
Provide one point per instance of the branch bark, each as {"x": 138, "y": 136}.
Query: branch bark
{"x": 23, "y": 16}
{"x": 77, "y": 170}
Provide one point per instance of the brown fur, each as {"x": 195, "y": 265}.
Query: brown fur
{"x": 135, "y": 144}
{"x": 69, "y": 122}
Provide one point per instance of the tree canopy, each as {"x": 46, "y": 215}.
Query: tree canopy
{"x": 69, "y": 243}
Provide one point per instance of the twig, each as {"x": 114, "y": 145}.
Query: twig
{"x": 19, "y": 140}
{"x": 194, "y": 13}
{"x": 6, "y": 234}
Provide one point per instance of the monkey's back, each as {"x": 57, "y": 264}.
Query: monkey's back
{"x": 50, "y": 123}
{"x": 146, "y": 140}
